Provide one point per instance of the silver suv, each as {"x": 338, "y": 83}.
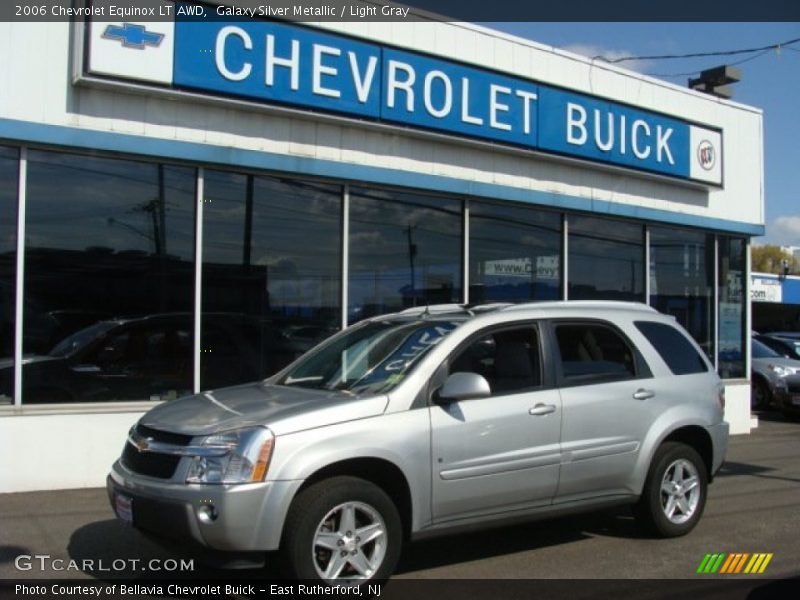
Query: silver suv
{"x": 428, "y": 421}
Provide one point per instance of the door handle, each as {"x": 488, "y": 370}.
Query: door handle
{"x": 542, "y": 409}
{"x": 643, "y": 394}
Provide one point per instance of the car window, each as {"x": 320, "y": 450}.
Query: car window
{"x": 508, "y": 359}
{"x": 790, "y": 348}
{"x": 762, "y": 351}
{"x": 371, "y": 358}
{"x": 592, "y": 353}
{"x": 673, "y": 347}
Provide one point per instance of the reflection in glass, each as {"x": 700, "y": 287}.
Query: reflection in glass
{"x": 514, "y": 253}
{"x": 271, "y": 273}
{"x": 606, "y": 259}
{"x": 681, "y": 280}
{"x": 9, "y": 173}
{"x": 732, "y": 270}
{"x": 108, "y": 280}
{"x": 405, "y": 250}
{"x": 370, "y": 358}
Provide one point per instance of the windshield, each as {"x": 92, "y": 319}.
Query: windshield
{"x": 371, "y": 358}
{"x": 81, "y": 339}
{"x": 762, "y": 351}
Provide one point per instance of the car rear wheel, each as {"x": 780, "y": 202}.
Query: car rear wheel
{"x": 675, "y": 491}
{"x": 342, "y": 530}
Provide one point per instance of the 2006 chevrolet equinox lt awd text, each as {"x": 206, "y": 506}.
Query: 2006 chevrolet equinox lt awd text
{"x": 431, "y": 420}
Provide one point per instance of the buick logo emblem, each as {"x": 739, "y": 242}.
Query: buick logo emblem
{"x": 706, "y": 155}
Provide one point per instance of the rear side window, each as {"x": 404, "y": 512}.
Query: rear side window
{"x": 673, "y": 347}
{"x": 593, "y": 353}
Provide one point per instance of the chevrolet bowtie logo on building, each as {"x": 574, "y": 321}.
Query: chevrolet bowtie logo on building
{"x": 133, "y": 36}
{"x": 734, "y": 563}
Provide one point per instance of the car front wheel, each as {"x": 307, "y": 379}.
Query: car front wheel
{"x": 675, "y": 491}
{"x": 760, "y": 396}
{"x": 342, "y": 530}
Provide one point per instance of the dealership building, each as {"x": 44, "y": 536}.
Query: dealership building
{"x": 193, "y": 202}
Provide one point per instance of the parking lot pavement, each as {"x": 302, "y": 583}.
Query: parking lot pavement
{"x": 753, "y": 506}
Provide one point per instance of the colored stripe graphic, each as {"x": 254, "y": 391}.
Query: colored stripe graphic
{"x": 734, "y": 563}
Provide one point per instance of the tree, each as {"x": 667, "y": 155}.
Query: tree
{"x": 769, "y": 259}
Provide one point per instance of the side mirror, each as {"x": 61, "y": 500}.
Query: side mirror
{"x": 464, "y": 386}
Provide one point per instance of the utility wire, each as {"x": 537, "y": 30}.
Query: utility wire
{"x": 698, "y": 54}
{"x": 733, "y": 64}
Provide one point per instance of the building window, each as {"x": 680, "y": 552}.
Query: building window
{"x": 9, "y": 173}
{"x": 271, "y": 273}
{"x": 405, "y": 250}
{"x": 108, "y": 279}
{"x": 514, "y": 254}
{"x": 682, "y": 279}
{"x": 732, "y": 310}
{"x": 606, "y": 259}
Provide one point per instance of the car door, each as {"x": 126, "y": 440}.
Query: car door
{"x": 608, "y": 404}
{"x": 501, "y": 452}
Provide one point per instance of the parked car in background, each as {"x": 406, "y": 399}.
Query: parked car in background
{"x": 770, "y": 378}
{"x": 787, "y": 347}
{"x": 150, "y": 358}
{"x": 794, "y": 335}
{"x": 428, "y": 421}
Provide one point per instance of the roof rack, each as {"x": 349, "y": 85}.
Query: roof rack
{"x": 470, "y": 309}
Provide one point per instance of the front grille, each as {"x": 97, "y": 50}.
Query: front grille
{"x": 167, "y": 437}
{"x": 151, "y": 464}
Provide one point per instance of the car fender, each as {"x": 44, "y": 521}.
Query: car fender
{"x": 668, "y": 422}
{"x": 402, "y": 439}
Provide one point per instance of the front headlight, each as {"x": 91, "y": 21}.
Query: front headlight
{"x": 240, "y": 456}
{"x": 781, "y": 371}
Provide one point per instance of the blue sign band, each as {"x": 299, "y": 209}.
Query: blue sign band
{"x": 303, "y": 67}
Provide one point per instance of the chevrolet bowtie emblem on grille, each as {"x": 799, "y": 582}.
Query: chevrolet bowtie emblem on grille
{"x": 141, "y": 444}
{"x": 133, "y": 36}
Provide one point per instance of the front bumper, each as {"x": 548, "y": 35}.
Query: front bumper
{"x": 249, "y": 517}
{"x": 787, "y": 398}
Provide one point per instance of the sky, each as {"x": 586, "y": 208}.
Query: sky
{"x": 770, "y": 81}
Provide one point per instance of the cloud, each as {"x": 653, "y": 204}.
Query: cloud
{"x": 591, "y": 51}
{"x": 784, "y": 231}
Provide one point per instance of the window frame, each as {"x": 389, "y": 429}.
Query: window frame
{"x": 642, "y": 369}
{"x": 547, "y": 376}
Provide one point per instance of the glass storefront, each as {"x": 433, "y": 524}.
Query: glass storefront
{"x": 606, "y": 259}
{"x": 271, "y": 264}
{"x": 405, "y": 250}
{"x": 682, "y": 280}
{"x": 110, "y": 269}
{"x": 109, "y": 250}
{"x": 9, "y": 175}
{"x": 514, "y": 253}
{"x": 732, "y": 307}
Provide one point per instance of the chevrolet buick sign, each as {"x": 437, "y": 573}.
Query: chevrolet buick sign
{"x": 302, "y": 67}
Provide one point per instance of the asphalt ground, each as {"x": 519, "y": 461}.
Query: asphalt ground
{"x": 753, "y": 507}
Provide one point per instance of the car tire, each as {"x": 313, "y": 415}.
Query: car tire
{"x": 675, "y": 491}
{"x": 342, "y": 530}
{"x": 760, "y": 396}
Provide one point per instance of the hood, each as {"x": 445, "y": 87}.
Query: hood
{"x": 282, "y": 409}
{"x": 780, "y": 361}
